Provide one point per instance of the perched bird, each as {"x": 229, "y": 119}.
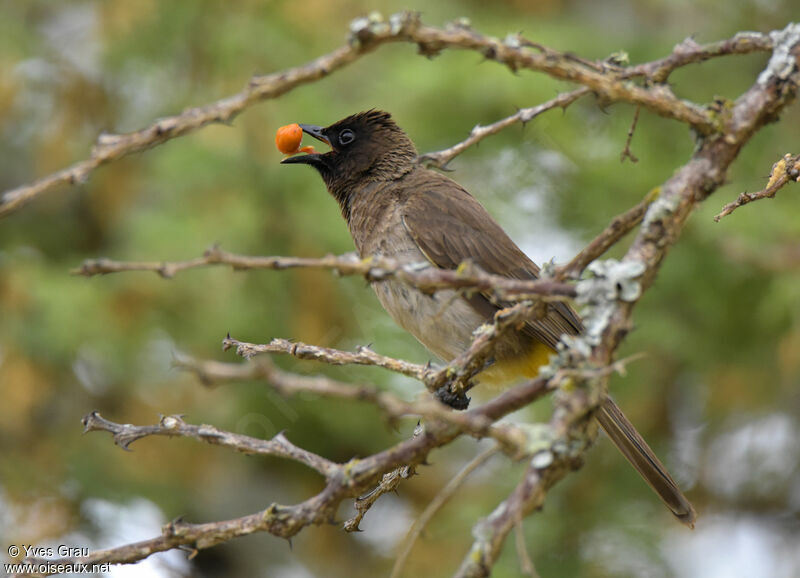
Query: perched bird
{"x": 398, "y": 209}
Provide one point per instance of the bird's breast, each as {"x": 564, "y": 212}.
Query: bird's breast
{"x": 442, "y": 322}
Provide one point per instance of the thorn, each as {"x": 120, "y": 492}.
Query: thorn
{"x": 123, "y": 444}
{"x": 85, "y": 420}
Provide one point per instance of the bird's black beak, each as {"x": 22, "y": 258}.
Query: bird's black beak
{"x": 318, "y": 133}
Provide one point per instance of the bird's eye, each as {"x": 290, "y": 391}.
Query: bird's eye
{"x": 346, "y": 137}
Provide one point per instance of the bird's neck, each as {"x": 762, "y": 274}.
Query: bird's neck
{"x": 363, "y": 187}
{"x": 367, "y": 215}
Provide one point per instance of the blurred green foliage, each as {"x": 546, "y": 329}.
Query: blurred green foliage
{"x": 720, "y": 328}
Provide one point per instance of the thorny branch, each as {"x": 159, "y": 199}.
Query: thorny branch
{"x": 343, "y": 481}
{"x": 689, "y": 52}
{"x": 785, "y": 170}
{"x": 362, "y": 356}
{"x": 510, "y": 438}
{"x": 421, "y": 275}
{"x": 438, "y": 502}
{"x": 619, "y": 226}
{"x": 448, "y": 383}
{"x": 441, "y": 158}
{"x": 610, "y": 84}
{"x": 389, "y": 483}
{"x": 775, "y": 88}
{"x": 173, "y": 425}
{"x": 580, "y": 373}
{"x": 626, "y": 152}
{"x": 544, "y": 470}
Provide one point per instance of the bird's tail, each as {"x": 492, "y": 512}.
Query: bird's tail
{"x": 641, "y": 457}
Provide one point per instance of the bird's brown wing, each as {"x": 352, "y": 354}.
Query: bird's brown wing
{"x": 450, "y": 226}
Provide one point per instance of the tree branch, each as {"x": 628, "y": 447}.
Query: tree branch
{"x": 420, "y": 275}
{"x": 441, "y": 158}
{"x": 362, "y": 356}
{"x": 438, "y": 502}
{"x": 610, "y": 84}
{"x": 343, "y": 480}
{"x": 511, "y": 439}
{"x": 775, "y": 88}
{"x": 389, "y": 483}
{"x": 449, "y": 383}
{"x": 690, "y": 52}
{"x": 173, "y": 425}
{"x": 619, "y": 226}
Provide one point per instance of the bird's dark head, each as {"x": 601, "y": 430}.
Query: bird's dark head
{"x": 365, "y": 148}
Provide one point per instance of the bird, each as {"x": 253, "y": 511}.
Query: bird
{"x": 396, "y": 208}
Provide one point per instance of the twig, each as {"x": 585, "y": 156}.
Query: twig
{"x": 526, "y": 565}
{"x": 441, "y": 158}
{"x": 362, "y": 356}
{"x": 511, "y": 438}
{"x": 420, "y": 275}
{"x": 173, "y": 425}
{"x": 690, "y": 52}
{"x": 490, "y": 533}
{"x": 626, "y": 152}
{"x": 785, "y": 170}
{"x": 619, "y": 226}
{"x": 368, "y": 34}
{"x": 289, "y": 384}
{"x": 449, "y": 383}
{"x": 435, "y": 505}
{"x": 389, "y": 483}
{"x": 211, "y": 372}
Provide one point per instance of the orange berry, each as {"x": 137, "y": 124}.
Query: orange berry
{"x": 288, "y": 138}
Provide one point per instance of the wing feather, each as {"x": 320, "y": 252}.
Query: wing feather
{"x": 450, "y": 226}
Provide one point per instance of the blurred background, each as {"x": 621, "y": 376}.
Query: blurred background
{"x": 717, "y": 394}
